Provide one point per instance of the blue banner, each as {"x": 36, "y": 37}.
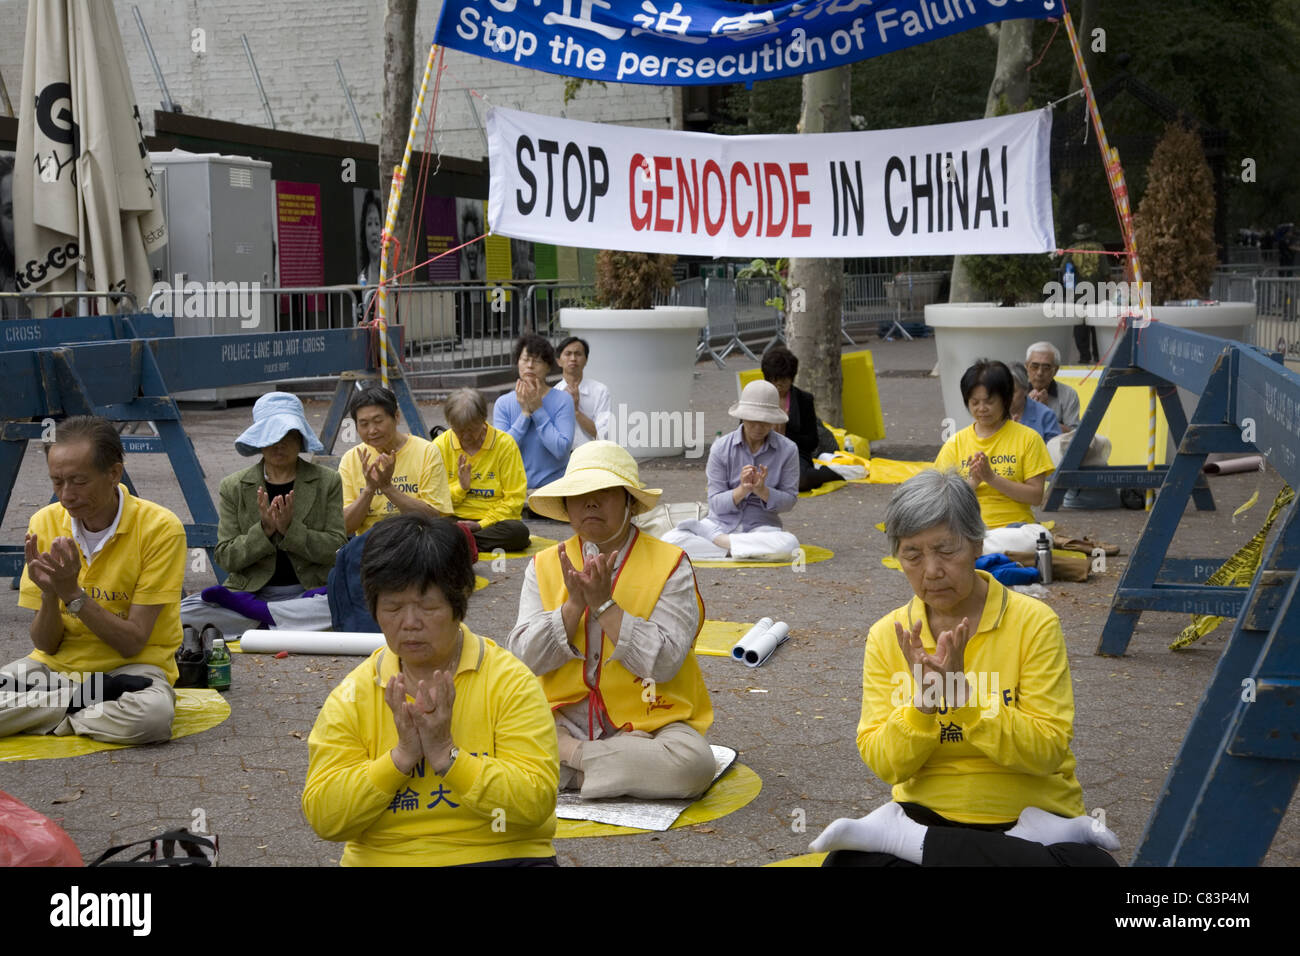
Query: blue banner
{"x": 708, "y": 42}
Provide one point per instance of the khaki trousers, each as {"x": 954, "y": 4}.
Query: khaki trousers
{"x": 675, "y": 762}
{"x": 139, "y": 717}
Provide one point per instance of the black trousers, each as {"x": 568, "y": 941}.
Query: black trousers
{"x": 507, "y": 535}
{"x": 975, "y": 844}
{"x": 814, "y": 475}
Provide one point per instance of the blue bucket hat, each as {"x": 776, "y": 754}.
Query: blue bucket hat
{"x": 276, "y": 414}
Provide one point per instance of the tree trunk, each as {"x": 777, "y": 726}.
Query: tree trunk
{"x": 1010, "y": 80}
{"x": 813, "y": 331}
{"x": 399, "y": 88}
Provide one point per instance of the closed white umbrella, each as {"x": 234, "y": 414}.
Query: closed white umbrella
{"x": 86, "y": 209}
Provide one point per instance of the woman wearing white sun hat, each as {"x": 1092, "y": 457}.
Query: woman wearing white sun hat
{"x": 608, "y": 620}
{"x": 753, "y": 476}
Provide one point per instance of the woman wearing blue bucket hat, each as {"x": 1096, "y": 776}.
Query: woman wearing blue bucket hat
{"x": 281, "y": 522}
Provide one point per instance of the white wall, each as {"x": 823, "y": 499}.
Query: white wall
{"x": 295, "y": 43}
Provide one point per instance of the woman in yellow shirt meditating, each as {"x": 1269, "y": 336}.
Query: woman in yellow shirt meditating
{"x": 1005, "y": 462}
{"x": 439, "y": 750}
{"x": 967, "y": 709}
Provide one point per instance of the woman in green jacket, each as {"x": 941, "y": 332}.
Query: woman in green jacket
{"x": 281, "y": 522}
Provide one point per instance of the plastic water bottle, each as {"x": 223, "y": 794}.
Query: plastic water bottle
{"x": 1044, "y": 559}
{"x": 219, "y": 666}
{"x": 1069, "y": 281}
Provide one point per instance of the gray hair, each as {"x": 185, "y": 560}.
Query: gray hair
{"x": 933, "y": 498}
{"x": 464, "y": 407}
{"x": 1044, "y": 347}
{"x": 1020, "y": 374}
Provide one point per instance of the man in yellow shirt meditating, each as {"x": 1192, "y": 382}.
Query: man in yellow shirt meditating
{"x": 104, "y": 574}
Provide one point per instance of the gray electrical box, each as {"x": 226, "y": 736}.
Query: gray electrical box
{"x": 220, "y": 251}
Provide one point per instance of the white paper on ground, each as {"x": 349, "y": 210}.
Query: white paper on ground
{"x": 641, "y": 814}
{"x": 342, "y": 643}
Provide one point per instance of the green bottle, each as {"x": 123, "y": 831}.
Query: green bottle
{"x": 219, "y": 666}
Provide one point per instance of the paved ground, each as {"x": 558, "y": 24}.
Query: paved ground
{"x": 793, "y": 720}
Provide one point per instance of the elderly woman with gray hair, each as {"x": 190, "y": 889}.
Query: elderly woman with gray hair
{"x": 967, "y": 709}
{"x": 485, "y": 474}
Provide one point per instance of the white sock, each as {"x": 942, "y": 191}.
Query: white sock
{"x": 885, "y": 830}
{"x": 1039, "y": 826}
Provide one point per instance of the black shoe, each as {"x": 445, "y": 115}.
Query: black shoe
{"x": 1134, "y": 499}
{"x": 192, "y": 658}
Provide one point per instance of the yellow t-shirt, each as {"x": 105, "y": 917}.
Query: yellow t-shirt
{"x": 496, "y": 802}
{"x": 142, "y": 563}
{"x": 497, "y": 484}
{"x": 1014, "y": 451}
{"x": 987, "y": 761}
{"x": 418, "y": 471}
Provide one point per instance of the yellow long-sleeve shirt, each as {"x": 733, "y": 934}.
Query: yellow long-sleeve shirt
{"x": 1008, "y": 749}
{"x": 498, "y": 484}
{"x": 497, "y": 801}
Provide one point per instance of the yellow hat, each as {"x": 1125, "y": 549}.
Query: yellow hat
{"x": 594, "y": 466}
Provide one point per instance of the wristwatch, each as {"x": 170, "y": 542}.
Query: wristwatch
{"x": 77, "y": 603}
{"x": 455, "y": 752}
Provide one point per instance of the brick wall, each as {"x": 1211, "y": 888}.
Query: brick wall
{"x": 295, "y": 43}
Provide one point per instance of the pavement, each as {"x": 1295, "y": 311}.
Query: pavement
{"x": 793, "y": 720}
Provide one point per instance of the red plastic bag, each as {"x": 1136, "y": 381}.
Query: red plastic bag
{"x": 28, "y": 838}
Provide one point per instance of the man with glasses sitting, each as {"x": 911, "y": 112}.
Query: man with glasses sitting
{"x": 1042, "y": 361}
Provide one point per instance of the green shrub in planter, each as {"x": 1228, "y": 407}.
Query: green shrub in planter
{"x": 1008, "y": 279}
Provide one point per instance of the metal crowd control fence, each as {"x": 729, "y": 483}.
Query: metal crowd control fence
{"x": 119, "y": 367}
{"x": 17, "y": 305}
{"x": 1277, "y": 301}
{"x": 738, "y": 309}
{"x": 868, "y": 306}
{"x": 1239, "y": 765}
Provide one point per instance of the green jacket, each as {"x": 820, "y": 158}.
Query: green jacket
{"x": 315, "y": 533}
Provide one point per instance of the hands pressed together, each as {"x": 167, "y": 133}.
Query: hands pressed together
{"x": 947, "y": 663}
{"x": 753, "y": 480}
{"x": 594, "y": 584}
{"x": 424, "y": 724}
{"x": 379, "y": 472}
{"x": 276, "y": 513}
{"x": 55, "y": 572}
{"x": 529, "y": 393}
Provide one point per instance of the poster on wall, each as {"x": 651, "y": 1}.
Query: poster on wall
{"x": 368, "y": 218}
{"x": 440, "y": 235}
{"x": 299, "y": 234}
{"x": 469, "y": 218}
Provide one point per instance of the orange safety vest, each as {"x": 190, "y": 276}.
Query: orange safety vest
{"x": 630, "y": 702}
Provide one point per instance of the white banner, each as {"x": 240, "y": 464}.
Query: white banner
{"x": 977, "y": 187}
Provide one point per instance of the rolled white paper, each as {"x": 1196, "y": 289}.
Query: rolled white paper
{"x": 762, "y": 647}
{"x": 342, "y": 643}
{"x": 742, "y": 645}
{"x": 1233, "y": 466}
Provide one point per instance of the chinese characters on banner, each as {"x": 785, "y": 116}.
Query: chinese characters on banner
{"x": 688, "y": 42}
{"x": 981, "y": 186}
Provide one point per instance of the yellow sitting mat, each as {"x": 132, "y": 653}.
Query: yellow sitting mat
{"x": 1127, "y": 419}
{"x": 196, "y": 711}
{"x": 824, "y": 489}
{"x": 535, "y": 544}
{"x": 733, "y": 790}
{"x": 717, "y": 638}
{"x": 811, "y": 555}
{"x": 803, "y": 859}
{"x": 887, "y": 471}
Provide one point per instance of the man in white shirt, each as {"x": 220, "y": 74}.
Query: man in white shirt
{"x": 592, "y": 404}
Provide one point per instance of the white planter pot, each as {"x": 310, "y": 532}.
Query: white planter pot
{"x": 967, "y": 331}
{"x": 1227, "y": 320}
{"x": 646, "y": 357}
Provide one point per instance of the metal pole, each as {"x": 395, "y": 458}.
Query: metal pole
{"x": 252, "y": 65}
{"x": 473, "y": 111}
{"x": 4, "y": 97}
{"x": 361, "y": 133}
{"x": 167, "y": 103}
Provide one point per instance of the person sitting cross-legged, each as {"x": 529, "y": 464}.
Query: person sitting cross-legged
{"x": 484, "y": 472}
{"x": 608, "y": 621}
{"x": 967, "y": 709}
{"x": 753, "y": 476}
{"x": 103, "y": 573}
{"x": 281, "y": 523}
{"x": 539, "y": 418}
{"x": 438, "y": 749}
{"x": 390, "y": 472}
